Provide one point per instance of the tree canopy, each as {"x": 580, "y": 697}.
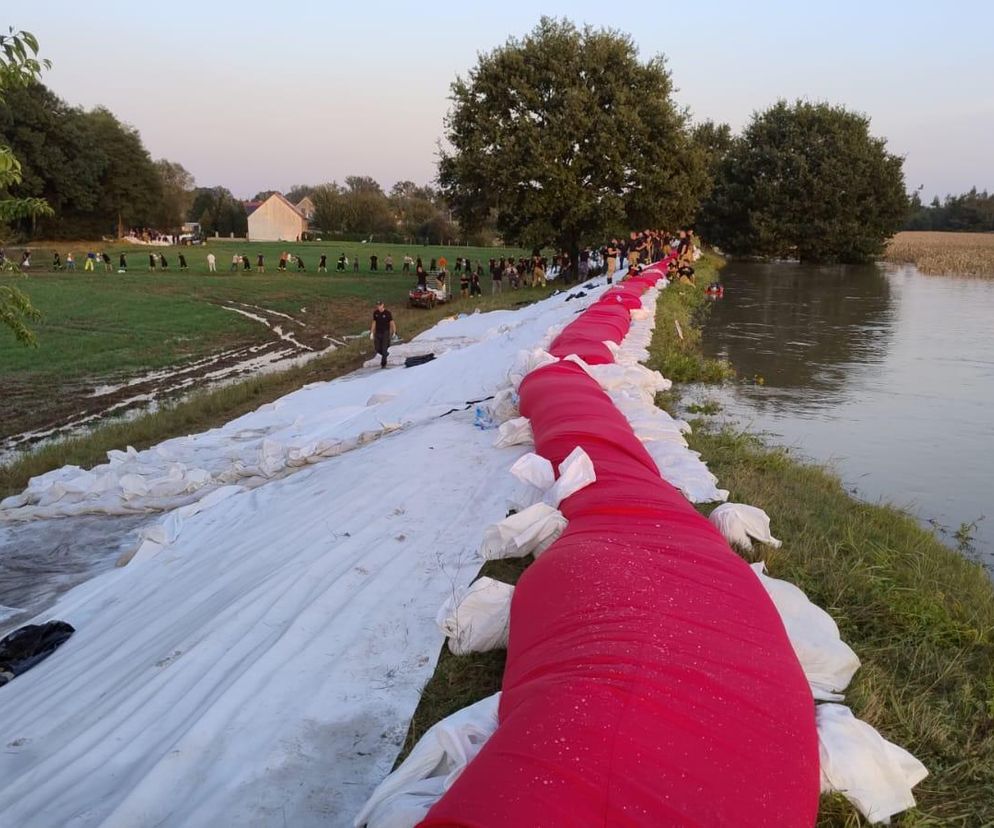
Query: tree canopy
{"x": 566, "y": 137}
{"x": 806, "y": 180}
{"x": 19, "y": 66}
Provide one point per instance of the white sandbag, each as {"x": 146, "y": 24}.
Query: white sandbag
{"x": 476, "y": 618}
{"x": 684, "y": 469}
{"x": 504, "y": 405}
{"x": 516, "y": 432}
{"x": 738, "y": 522}
{"x": 828, "y": 662}
{"x": 526, "y": 362}
{"x": 404, "y": 798}
{"x": 534, "y": 469}
{"x": 530, "y": 531}
{"x": 873, "y": 774}
{"x": 575, "y": 473}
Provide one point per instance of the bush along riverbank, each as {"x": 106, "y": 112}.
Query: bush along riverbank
{"x": 918, "y": 614}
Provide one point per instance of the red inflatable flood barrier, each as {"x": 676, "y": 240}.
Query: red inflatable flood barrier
{"x": 649, "y": 679}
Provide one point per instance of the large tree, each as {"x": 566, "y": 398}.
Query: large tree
{"x": 177, "y": 194}
{"x": 569, "y": 137}
{"x": 19, "y": 66}
{"x": 218, "y": 211}
{"x": 806, "y": 180}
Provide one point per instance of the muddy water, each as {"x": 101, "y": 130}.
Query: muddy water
{"x": 40, "y": 560}
{"x": 883, "y": 372}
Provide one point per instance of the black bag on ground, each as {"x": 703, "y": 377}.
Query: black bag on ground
{"x": 24, "y": 648}
{"x": 411, "y": 361}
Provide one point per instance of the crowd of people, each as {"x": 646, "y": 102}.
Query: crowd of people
{"x": 639, "y": 248}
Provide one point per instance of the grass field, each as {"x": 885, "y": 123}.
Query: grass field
{"x": 102, "y": 328}
{"x": 966, "y": 254}
{"x": 919, "y": 615}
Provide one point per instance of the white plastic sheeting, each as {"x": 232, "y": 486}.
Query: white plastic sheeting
{"x": 873, "y": 774}
{"x": 477, "y": 618}
{"x": 528, "y": 532}
{"x": 405, "y": 796}
{"x": 738, "y": 522}
{"x": 828, "y": 662}
{"x": 264, "y": 655}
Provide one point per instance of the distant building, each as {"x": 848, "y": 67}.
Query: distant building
{"x": 276, "y": 219}
{"x": 306, "y": 206}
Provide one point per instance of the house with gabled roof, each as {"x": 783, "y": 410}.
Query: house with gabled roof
{"x": 276, "y": 219}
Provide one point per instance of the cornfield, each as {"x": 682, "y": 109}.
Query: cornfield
{"x": 967, "y": 254}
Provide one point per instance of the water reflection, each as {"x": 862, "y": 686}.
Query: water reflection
{"x": 883, "y": 372}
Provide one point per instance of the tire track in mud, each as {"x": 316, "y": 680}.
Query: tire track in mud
{"x": 75, "y": 410}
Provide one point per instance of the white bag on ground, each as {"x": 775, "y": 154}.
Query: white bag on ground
{"x": 738, "y": 522}
{"x": 514, "y": 432}
{"x": 404, "y": 798}
{"x": 873, "y": 774}
{"x": 504, "y": 405}
{"x": 526, "y": 362}
{"x": 575, "y": 473}
{"x": 476, "y": 618}
{"x": 535, "y": 470}
{"x": 828, "y": 662}
{"x": 530, "y": 531}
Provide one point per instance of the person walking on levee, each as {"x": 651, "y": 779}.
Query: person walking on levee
{"x": 381, "y": 330}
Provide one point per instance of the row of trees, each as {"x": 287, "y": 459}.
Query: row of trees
{"x": 566, "y": 137}
{"x": 92, "y": 169}
{"x": 971, "y": 212}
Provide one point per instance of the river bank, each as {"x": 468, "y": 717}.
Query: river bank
{"x": 919, "y": 615}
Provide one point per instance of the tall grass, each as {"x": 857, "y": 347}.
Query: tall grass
{"x": 966, "y": 254}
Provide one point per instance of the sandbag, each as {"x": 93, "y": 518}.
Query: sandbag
{"x": 528, "y": 532}
{"x": 828, "y": 662}
{"x": 873, "y": 774}
{"x": 403, "y": 798}
{"x": 738, "y": 522}
{"x": 475, "y": 618}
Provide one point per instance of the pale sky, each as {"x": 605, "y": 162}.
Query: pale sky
{"x": 263, "y": 95}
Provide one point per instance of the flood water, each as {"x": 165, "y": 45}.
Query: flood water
{"x": 880, "y": 371}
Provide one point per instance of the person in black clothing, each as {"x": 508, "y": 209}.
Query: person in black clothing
{"x": 474, "y": 285}
{"x": 373, "y": 262}
{"x": 246, "y": 264}
{"x": 163, "y": 263}
{"x": 57, "y": 261}
{"x": 300, "y": 264}
{"x": 182, "y": 262}
{"x": 108, "y": 267}
{"x": 151, "y": 263}
{"x": 122, "y": 263}
{"x": 422, "y": 276}
{"x": 323, "y": 264}
{"x": 340, "y": 267}
{"x": 381, "y": 330}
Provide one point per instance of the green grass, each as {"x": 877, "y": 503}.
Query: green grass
{"x": 100, "y": 328}
{"x": 919, "y": 615}
{"x": 213, "y": 408}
